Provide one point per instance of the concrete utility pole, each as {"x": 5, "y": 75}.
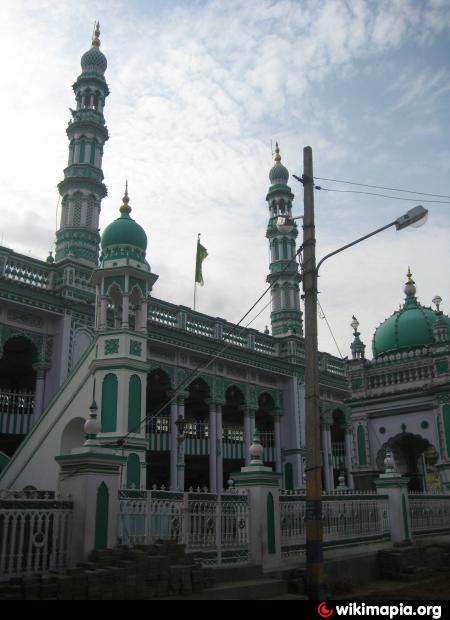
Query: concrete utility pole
{"x": 314, "y": 533}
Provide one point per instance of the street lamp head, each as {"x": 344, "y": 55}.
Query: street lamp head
{"x": 285, "y": 225}
{"x": 437, "y": 300}
{"x": 417, "y": 216}
{"x": 355, "y": 323}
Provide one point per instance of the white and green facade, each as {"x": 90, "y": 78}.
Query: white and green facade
{"x": 82, "y": 332}
{"x": 401, "y": 398}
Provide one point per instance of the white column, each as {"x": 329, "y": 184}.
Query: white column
{"x": 348, "y": 458}
{"x": 212, "y": 434}
{"x": 39, "y": 391}
{"x": 328, "y": 480}
{"x": 180, "y": 447}
{"x": 143, "y": 310}
{"x": 125, "y": 311}
{"x": 248, "y": 437}
{"x": 252, "y": 425}
{"x": 219, "y": 444}
{"x": 103, "y": 312}
{"x": 278, "y": 457}
{"x": 173, "y": 445}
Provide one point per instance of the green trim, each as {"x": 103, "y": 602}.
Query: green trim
{"x": 109, "y": 404}
{"x": 446, "y": 417}
{"x": 361, "y": 438}
{"x": 133, "y": 472}
{"x": 271, "y": 544}
{"x": 101, "y": 517}
{"x": 134, "y": 404}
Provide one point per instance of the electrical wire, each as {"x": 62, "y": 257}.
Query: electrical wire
{"x": 324, "y": 316}
{"x": 392, "y": 189}
{"x": 354, "y": 191}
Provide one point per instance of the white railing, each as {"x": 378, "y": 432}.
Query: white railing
{"x": 35, "y": 530}
{"x": 213, "y": 527}
{"x": 429, "y": 513}
{"x": 345, "y": 519}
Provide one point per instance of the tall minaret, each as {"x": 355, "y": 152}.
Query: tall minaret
{"x": 82, "y": 188}
{"x": 286, "y": 316}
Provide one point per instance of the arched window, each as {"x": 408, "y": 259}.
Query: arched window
{"x": 82, "y": 151}
{"x": 133, "y": 472}
{"x": 101, "y": 517}
{"x": 361, "y": 439}
{"x": 92, "y": 153}
{"x": 285, "y": 248}
{"x": 446, "y": 416}
{"x": 276, "y": 249}
{"x": 134, "y": 404}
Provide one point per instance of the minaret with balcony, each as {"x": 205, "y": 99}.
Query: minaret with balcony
{"x": 82, "y": 188}
{"x": 286, "y": 316}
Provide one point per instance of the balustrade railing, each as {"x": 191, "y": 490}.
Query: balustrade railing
{"x": 26, "y": 271}
{"x": 384, "y": 378}
{"x": 35, "y": 531}
{"x": 16, "y": 409}
{"x": 213, "y": 527}
{"x": 345, "y": 519}
{"x": 430, "y": 513}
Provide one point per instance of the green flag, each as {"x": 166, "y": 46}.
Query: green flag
{"x": 202, "y": 253}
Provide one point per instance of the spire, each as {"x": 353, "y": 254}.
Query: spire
{"x": 277, "y": 157}
{"x": 96, "y": 36}
{"x": 125, "y": 208}
{"x": 410, "y": 286}
{"x": 357, "y": 347}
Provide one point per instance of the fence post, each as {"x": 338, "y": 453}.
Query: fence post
{"x": 263, "y": 487}
{"x": 91, "y": 476}
{"x": 395, "y": 486}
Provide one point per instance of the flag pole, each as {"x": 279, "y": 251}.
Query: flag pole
{"x": 195, "y": 274}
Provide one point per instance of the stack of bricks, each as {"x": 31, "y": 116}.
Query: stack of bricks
{"x": 138, "y": 573}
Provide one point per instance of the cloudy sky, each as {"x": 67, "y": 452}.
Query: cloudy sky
{"x": 199, "y": 91}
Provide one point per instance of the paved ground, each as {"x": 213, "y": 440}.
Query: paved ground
{"x": 431, "y": 589}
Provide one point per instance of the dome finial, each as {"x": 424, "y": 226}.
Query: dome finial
{"x": 96, "y": 36}
{"x": 410, "y": 286}
{"x": 277, "y": 157}
{"x": 125, "y": 208}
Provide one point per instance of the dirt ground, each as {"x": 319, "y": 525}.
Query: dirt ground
{"x": 431, "y": 589}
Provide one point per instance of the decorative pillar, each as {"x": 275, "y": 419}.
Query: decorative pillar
{"x": 103, "y": 313}
{"x": 328, "y": 482}
{"x": 247, "y": 434}
{"x": 180, "y": 443}
{"x": 392, "y": 484}
{"x": 125, "y": 311}
{"x": 91, "y": 476}
{"x": 39, "y": 390}
{"x": 263, "y": 488}
{"x": 219, "y": 447}
{"x": 277, "y": 435}
{"x": 212, "y": 435}
{"x": 348, "y": 457}
{"x": 173, "y": 445}
{"x": 142, "y": 321}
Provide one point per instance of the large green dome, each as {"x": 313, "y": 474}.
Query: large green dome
{"x": 124, "y": 231}
{"x": 408, "y": 328}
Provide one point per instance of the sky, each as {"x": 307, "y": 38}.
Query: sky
{"x": 200, "y": 92}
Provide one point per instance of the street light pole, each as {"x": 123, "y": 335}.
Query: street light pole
{"x": 313, "y": 522}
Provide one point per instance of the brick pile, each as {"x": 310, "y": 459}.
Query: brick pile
{"x": 137, "y": 573}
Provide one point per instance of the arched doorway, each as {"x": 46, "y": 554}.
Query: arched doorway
{"x": 233, "y": 433}
{"x": 337, "y": 431}
{"x": 158, "y": 428}
{"x": 196, "y": 442}
{"x": 73, "y": 435}
{"x": 410, "y": 454}
{"x": 16, "y": 365}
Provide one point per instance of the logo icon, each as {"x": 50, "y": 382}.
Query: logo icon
{"x": 324, "y": 611}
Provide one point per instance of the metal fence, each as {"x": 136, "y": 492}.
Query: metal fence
{"x": 213, "y": 527}
{"x": 35, "y": 530}
{"x": 430, "y": 514}
{"x": 346, "y": 519}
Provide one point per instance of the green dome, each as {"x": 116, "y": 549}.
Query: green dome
{"x": 124, "y": 231}
{"x": 278, "y": 175}
{"x": 94, "y": 61}
{"x": 408, "y": 328}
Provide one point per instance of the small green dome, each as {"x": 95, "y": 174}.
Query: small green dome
{"x": 408, "y": 328}
{"x": 278, "y": 175}
{"x": 124, "y": 231}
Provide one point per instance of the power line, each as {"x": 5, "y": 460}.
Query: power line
{"x": 392, "y": 189}
{"x": 324, "y": 316}
{"x": 354, "y": 191}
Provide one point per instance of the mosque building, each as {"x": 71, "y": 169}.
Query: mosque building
{"x": 180, "y": 393}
